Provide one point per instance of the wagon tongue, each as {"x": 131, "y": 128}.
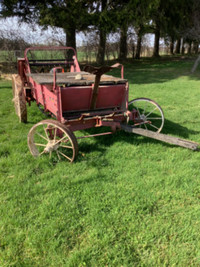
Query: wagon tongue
{"x": 161, "y": 137}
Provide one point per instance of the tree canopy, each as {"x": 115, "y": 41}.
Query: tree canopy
{"x": 170, "y": 19}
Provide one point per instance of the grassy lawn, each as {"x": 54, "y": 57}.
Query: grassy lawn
{"x": 125, "y": 201}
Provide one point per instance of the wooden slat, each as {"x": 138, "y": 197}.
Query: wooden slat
{"x": 69, "y": 79}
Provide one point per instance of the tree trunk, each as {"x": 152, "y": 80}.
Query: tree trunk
{"x": 196, "y": 48}
{"x": 171, "y": 46}
{"x": 183, "y": 47}
{"x": 178, "y": 46}
{"x": 70, "y": 41}
{"x": 102, "y": 47}
{"x": 189, "y": 47}
{"x": 133, "y": 50}
{"x": 71, "y": 37}
{"x": 156, "y": 41}
{"x": 123, "y": 42}
{"x": 102, "y": 38}
{"x": 138, "y": 47}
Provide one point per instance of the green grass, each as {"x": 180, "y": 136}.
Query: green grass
{"x": 126, "y": 201}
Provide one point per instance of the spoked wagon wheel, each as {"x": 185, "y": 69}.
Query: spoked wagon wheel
{"x": 147, "y": 114}
{"x": 53, "y": 138}
{"x": 19, "y": 98}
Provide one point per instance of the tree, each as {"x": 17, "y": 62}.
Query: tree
{"x": 169, "y": 19}
{"x": 171, "y": 46}
{"x": 123, "y": 42}
{"x": 192, "y": 31}
{"x": 100, "y": 22}
{"x": 141, "y": 21}
{"x": 71, "y": 15}
{"x": 139, "y": 42}
{"x": 123, "y": 20}
{"x": 109, "y": 17}
{"x": 178, "y": 46}
{"x": 176, "y": 13}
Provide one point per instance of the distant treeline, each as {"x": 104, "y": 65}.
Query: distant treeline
{"x": 176, "y": 22}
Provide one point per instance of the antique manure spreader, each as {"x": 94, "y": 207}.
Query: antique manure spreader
{"x": 79, "y": 100}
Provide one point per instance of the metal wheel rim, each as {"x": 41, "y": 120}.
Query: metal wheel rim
{"x": 52, "y": 144}
{"x": 155, "y": 107}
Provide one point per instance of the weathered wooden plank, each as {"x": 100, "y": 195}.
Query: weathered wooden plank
{"x": 70, "y": 78}
{"x": 162, "y": 137}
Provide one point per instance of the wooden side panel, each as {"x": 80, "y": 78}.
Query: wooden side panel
{"x": 50, "y": 100}
{"x": 111, "y": 96}
{"x": 79, "y": 98}
{"x": 38, "y": 92}
{"x": 76, "y": 98}
{"x": 44, "y": 96}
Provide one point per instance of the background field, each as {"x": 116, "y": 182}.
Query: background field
{"x": 126, "y": 201}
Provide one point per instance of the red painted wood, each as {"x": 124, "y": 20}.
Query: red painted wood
{"x": 76, "y": 98}
{"x": 110, "y": 96}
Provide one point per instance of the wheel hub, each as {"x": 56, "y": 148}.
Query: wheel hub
{"x": 51, "y": 146}
{"x": 143, "y": 117}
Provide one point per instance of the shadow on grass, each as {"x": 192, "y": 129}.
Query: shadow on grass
{"x": 102, "y": 143}
{"x": 87, "y": 148}
{"x": 178, "y": 130}
{"x": 163, "y": 69}
{"x": 5, "y": 87}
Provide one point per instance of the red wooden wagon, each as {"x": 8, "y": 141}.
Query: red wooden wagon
{"x": 78, "y": 100}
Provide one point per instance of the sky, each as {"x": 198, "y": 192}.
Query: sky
{"x": 10, "y": 27}
{"x": 34, "y": 33}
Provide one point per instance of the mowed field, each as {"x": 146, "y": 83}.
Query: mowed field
{"x": 126, "y": 200}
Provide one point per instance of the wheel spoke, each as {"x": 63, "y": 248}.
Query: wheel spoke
{"x": 144, "y": 107}
{"x": 50, "y": 153}
{"x": 151, "y": 111}
{"x": 66, "y": 146}
{"x": 156, "y": 118}
{"x": 66, "y": 141}
{"x": 55, "y": 132}
{"x": 145, "y": 126}
{"x": 138, "y": 111}
{"x": 42, "y": 152}
{"x": 153, "y": 126}
{"x": 59, "y": 141}
{"x": 42, "y": 136}
{"x": 58, "y": 155}
{"x": 37, "y": 144}
{"x": 45, "y": 130}
{"x": 65, "y": 156}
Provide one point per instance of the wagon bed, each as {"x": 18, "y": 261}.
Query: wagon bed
{"x": 72, "y": 79}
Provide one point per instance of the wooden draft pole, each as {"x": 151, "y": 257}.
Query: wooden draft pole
{"x": 162, "y": 137}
